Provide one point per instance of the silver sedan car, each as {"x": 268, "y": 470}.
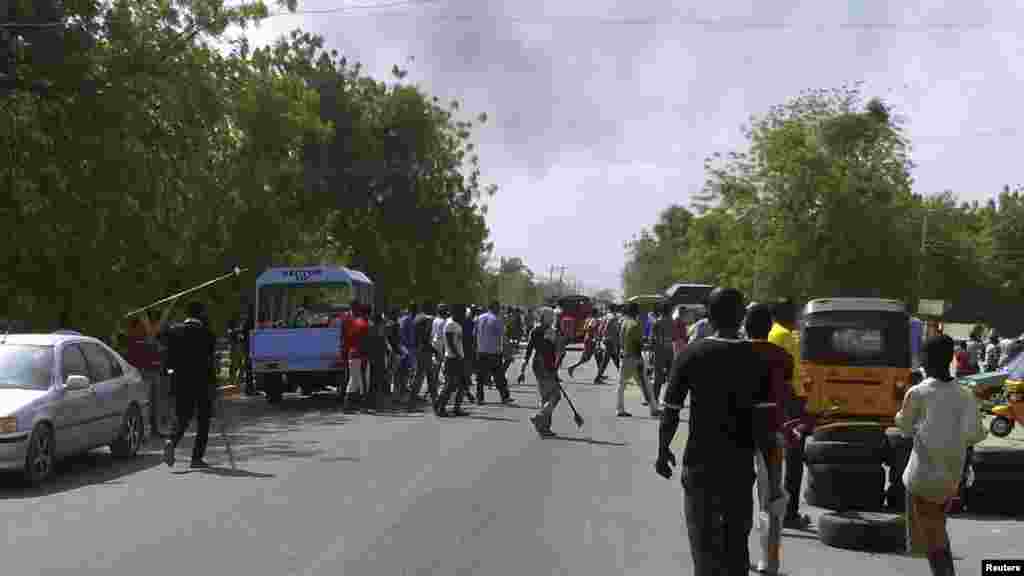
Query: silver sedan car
{"x": 62, "y": 394}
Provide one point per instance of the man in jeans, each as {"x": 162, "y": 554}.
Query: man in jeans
{"x": 632, "y": 361}
{"x": 490, "y": 335}
{"x": 720, "y": 373}
{"x": 422, "y": 331}
{"x": 784, "y": 334}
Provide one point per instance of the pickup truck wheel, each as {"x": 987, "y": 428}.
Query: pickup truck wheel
{"x": 871, "y": 532}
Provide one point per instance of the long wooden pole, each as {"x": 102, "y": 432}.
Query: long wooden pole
{"x": 235, "y": 272}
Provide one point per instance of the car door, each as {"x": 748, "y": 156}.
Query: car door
{"x": 110, "y": 406}
{"x": 76, "y": 409}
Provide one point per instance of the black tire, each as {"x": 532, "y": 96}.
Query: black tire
{"x": 871, "y": 532}
{"x": 1000, "y": 426}
{"x": 845, "y": 487}
{"x": 131, "y": 435}
{"x": 997, "y": 458}
{"x": 870, "y": 434}
{"x": 40, "y": 456}
{"x": 824, "y": 452}
{"x": 898, "y": 448}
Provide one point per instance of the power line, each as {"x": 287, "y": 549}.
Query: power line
{"x": 736, "y": 24}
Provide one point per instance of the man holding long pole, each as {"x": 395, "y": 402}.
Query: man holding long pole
{"x": 192, "y": 356}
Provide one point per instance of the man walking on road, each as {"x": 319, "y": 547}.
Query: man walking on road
{"x": 542, "y": 346}
{"x": 632, "y": 340}
{"x": 455, "y": 364}
{"x": 612, "y": 348}
{"x": 589, "y": 341}
{"x": 720, "y": 374}
{"x": 784, "y": 335}
{"x": 437, "y": 341}
{"x": 192, "y": 353}
{"x": 490, "y": 338}
{"x": 423, "y": 329}
{"x": 944, "y": 420}
{"x": 407, "y": 340}
{"x": 770, "y": 399}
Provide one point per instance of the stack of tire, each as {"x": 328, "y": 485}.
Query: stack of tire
{"x": 898, "y": 448}
{"x": 998, "y": 478}
{"x": 844, "y": 468}
{"x": 846, "y": 473}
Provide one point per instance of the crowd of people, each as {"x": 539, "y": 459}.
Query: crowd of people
{"x": 738, "y": 366}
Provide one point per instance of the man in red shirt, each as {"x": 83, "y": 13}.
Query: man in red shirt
{"x": 356, "y": 328}
{"x": 589, "y": 342}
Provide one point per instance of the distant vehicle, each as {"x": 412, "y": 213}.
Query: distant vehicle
{"x": 578, "y": 307}
{"x": 690, "y": 295}
{"x": 62, "y": 394}
{"x": 290, "y": 352}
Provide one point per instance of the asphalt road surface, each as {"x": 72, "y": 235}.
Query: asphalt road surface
{"x": 321, "y": 492}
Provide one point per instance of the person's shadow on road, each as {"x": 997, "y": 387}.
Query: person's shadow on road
{"x": 225, "y": 472}
{"x": 589, "y": 440}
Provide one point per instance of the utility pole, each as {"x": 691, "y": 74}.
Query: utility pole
{"x": 924, "y": 252}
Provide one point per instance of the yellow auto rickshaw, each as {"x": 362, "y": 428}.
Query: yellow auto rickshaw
{"x": 1011, "y": 413}
{"x": 855, "y": 367}
{"x": 855, "y": 358}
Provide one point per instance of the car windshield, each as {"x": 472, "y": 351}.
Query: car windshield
{"x": 26, "y": 367}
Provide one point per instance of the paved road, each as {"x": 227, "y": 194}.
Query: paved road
{"x": 322, "y": 492}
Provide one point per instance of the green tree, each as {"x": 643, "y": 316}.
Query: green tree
{"x": 819, "y": 170}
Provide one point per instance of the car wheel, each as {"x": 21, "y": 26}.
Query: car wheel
{"x": 129, "y": 440}
{"x": 41, "y": 455}
{"x": 1000, "y": 426}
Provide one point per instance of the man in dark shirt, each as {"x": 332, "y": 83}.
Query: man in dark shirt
{"x": 191, "y": 354}
{"x": 721, "y": 374}
{"x": 422, "y": 325}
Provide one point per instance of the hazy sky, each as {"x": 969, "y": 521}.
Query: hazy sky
{"x": 601, "y": 112}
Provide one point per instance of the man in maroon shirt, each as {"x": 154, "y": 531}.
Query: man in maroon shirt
{"x": 770, "y": 398}
{"x": 143, "y": 352}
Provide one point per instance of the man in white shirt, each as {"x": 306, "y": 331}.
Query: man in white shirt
{"x": 455, "y": 364}
{"x": 437, "y": 339}
{"x": 944, "y": 419}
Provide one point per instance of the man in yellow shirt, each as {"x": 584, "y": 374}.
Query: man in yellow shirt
{"x": 784, "y": 333}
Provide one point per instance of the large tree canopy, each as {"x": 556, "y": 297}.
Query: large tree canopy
{"x": 163, "y": 152}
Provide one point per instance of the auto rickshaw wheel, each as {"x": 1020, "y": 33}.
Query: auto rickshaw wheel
{"x": 1001, "y": 426}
